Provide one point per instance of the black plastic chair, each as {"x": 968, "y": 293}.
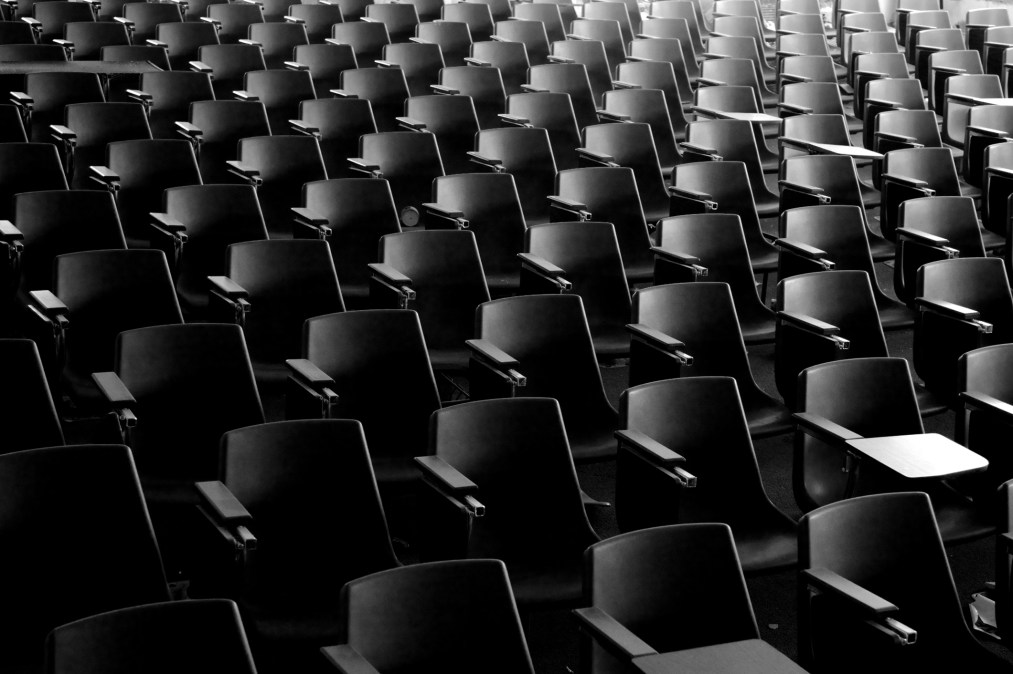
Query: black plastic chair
{"x": 74, "y": 487}
{"x": 526, "y": 153}
{"x": 485, "y": 447}
{"x": 517, "y": 353}
{"x": 701, "y": 420}
{"x": 691, "y": 329}
{"x": 408, "y": 161}
{"x": 890, "y": 603}
{"x": 396, "y": 619}
{"x": 216, "y": 127}
{"x": 87, "y": 129}
{"x": 291, "y": 480}
{"x": 159, "y": 638}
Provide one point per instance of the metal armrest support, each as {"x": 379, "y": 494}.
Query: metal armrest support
{"x": 304, "y": 128}
{"x": 106, "y": 177}
{"x": 12, "y": 239}
{"x": 876, "y": 609}
{"x": 449, "y": 480}
{"x": 314, "y": 381}
{"x": 394, "y": 280}
{"x": 307, "y": 218}
{"x": 228, "y": 515}
{"x": 492, "y": 356}
{"x": 233, "y": 294}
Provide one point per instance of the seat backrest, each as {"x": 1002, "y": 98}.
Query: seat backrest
{"x": 278, "y": 40}
{"x": 703, "y": 317}
{"x": 28, "y": 407}
{"x": 364, "y": 351}
{"x": 182, "y": 371}
{"x": 554, "y": 113}
{"x": 96, "y": 285}
{"x": 235, "y": 19}
{"x": 157, "y": 638}
{"x": 979, "y": 283}
{"x": 497, "y": 442}
{"x": 440, "y": 614}
{"x": 90, "y": 36}
{"x": 447, "y": 275}
{"x": 477, "y": 15}
{"x": 367, "y": 39}
{"x": 572, "y": 79}
{"x": 359, "y": 211}
{"x": 184, "y": 39}
{"x": 650, "y": 107}
{"x": 632, "y": 145}
{"x": 527, "y": 155}
{"x": 400, "y": 19}
{"x": 222, "y": 125}
{"x": 300, "y": 477}
{"x": 317, "y": 18}
{"x": 955, "y": 112}
{"x": 952, "y": 218}
{"x": 91, "y": 494}
{"x": 511, "y": 58}
{"x": 386, "y": 89}
{"x": 642, "y": 577}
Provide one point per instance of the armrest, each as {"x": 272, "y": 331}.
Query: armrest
{"x": 611, "y": 634}
{"x": 615, "y": 117}
{"x": 200, "y": 66}
{"x": 49, "y": 304}
{"x": 532, "y": 89}
{"x": 660, "y": 340}
{"x": 22, "y": 100}
{"x": 251, "y": 174}
{"x": 304, "y": 128}
{"x": 393, "y": 277}
{"x": 962, "y": 98}
{"x": 949, "y": 70}
{"x": 241, "y": 95}
{"x": 228, "y": 288}
{"x": 905, "y": 181}
{"x": 806, "y": 251}
{"x": 190, "y": 131}
{"x": 492, "y": 353}
{"x": 63, "y": 133}
{"x": 410, "y": 124}
{"x": 898, "y": 138}
{"x": 921, "y": 237}
{"x": 692, "y": 195}
{"x": 105, "y": 176}
{"x": 117, "y": 395}
{"x": 799, "y": 187}
{"x": 599, "y": 158}
{"x": 223, "y": 502}
{"x": 313, "y": 220}
{"x": 341, "y": 93}
{"x": 873, "y": 74}
{"x": 855, "y": 595}
{"x": 446, "y": 476}
{"x": 683, "y": 259}
{"x": 552, "y": 58}
{"x": 955, "y": 311}
{"x": 156, "y": 43}
{"x": 446, "y": 91}
{"x": 790, "y": 78}
{"x": 709, "y": 82}
{"x": 348, "y": 660}
{"x": 619, "y": 84}
{"x": 514, "y": 120}
{"x": 982, "y": 402}
{"x": 10, "y": 235}
{"x": 386, "y": 64}
{"x": 167, "y": 223}
{"x": 999, "y": 172}
{"x": 295, "y": 65}
{"x": 252, "y": 43}
{"x": 797, "y": 109}
{"x": 126, "y": 22}
{"x": 991, "y": 133}
{"x": 545, "y": 269}
{"x": 362, "y": 166}
{"x": 824, "y": 429}
{"x": 815, "y": 326}
{"x": 309, "y": 373}
{"x": 701, "y": 150}
{"x": 472, "y": 61}
{"x": 451, "y": 215}
{"x": 489, "y": 162}
{"x": 578, "y": 209}
{"x": 883, "y": 103}
{"x": 655, "y": 452}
